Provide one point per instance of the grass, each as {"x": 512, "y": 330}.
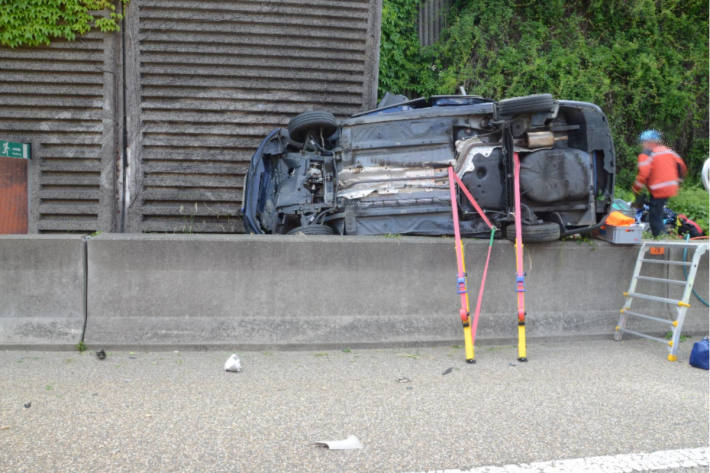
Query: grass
{"x": 81, "y": 347}
{"x": 669, "y": 335}
{"x": 692, "y": 201}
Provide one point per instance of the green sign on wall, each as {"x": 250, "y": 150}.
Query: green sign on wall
{"x": 8, "y": 149}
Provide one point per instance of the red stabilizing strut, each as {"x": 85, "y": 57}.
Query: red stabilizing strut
{"x": 474, "y": 325}
{"x": 520, "y": 276}
{"x": 461, "y": 277}
{"x": 459, "y": 256}
{"x": 470, "y": 198}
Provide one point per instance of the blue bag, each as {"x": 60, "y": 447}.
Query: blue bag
{"x": 699, "y": 355}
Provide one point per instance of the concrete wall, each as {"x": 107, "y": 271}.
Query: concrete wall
{"x": 63, "y": 100}
{"x": 245, "y": 290}
{"x": 206, "y": 81}
{"x": 42, "y": 284}
{"x": 152, "y": 128}
{"x": 249, "y": 290}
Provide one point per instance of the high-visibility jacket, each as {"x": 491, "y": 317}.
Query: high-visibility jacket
{"x": 661, "y": 170}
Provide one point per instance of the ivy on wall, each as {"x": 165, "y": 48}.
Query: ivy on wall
{"x": 645, "y": 62}
{"x": 38, "y": 22}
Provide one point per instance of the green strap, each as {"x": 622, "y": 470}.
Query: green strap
{"x": 493, "y": 232}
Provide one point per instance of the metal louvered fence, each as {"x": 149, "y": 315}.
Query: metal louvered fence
{"x": 152, "y": 129}
{"x": 432, "y": 20}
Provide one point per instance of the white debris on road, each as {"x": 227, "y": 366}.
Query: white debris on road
{"x": 350, "y": 443}
{"x": 233, "y": 364}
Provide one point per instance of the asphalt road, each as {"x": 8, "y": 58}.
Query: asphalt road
{"x": 179, "y": 411}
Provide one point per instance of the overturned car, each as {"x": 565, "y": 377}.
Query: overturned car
{"x": 385, "y": 171}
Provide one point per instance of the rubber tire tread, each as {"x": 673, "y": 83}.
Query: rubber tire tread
{"x": 315, "y": 229}
{"x": 527, "y": 104}
{"x": 548, "y": 231}
{"x": 299, "y": 125}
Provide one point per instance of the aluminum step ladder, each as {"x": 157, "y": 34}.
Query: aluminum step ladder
{"x": 681, "y": 305}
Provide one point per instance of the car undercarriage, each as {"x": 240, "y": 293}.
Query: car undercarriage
{"x": 385, "y": 171}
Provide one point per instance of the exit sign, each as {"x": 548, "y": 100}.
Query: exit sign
{"x": 8, "y": 149}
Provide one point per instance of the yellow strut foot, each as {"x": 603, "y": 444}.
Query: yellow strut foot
{"x": 683, "y": 304}
{"x": 675, "y": 323}
{"x": 468, "y": 343}
{"x": 672, "y": 357}
{"x": 522, "y": 345}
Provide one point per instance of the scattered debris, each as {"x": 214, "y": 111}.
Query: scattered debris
{"x": 233, "y": 364}
{"x": 350, "y": 443}
{"x": 101, "y": 355}
{"x": 447, "y": 371}
{"x": 409, "y": 388}
{"x": 4, "y": 427}
{"x": 403, "y": 380}
{"x": 512, "y": 364}
{"x": 28, "y": 405}
{"x": 131, "y": 355}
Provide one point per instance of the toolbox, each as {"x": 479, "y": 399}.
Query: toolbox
{"x": 627, "y": 235}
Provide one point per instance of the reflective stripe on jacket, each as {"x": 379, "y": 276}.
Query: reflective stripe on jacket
{"x": 661, "y": 170}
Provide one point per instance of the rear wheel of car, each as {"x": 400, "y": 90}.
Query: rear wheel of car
{"x": 528, "y": 104}
{"x": 313, "y": 122}
{"x": 548, "y": 231}
{"x": 315, "y": 229}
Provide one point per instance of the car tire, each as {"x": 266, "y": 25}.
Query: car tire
{"x": 548, "y": 231}
{"x": 302, "y": 124}
{"x": 525, "y": 105}
{"x": 314, "y": 229}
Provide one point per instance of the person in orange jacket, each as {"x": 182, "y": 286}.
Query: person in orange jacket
{"x": 661, "y": 170}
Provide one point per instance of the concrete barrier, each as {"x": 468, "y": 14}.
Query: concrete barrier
{"x": 42, "y": 288}
{"x": 246, "y": 290}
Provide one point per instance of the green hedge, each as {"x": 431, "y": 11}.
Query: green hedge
{"x": 644, "y": 62}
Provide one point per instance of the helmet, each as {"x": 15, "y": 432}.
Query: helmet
{"x": 650, "y": 135}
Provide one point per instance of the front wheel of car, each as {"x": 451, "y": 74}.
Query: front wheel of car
{"x": 314, "y": 229}
{"x": 548, "y": 231}
{"x": 312, "y": 122}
